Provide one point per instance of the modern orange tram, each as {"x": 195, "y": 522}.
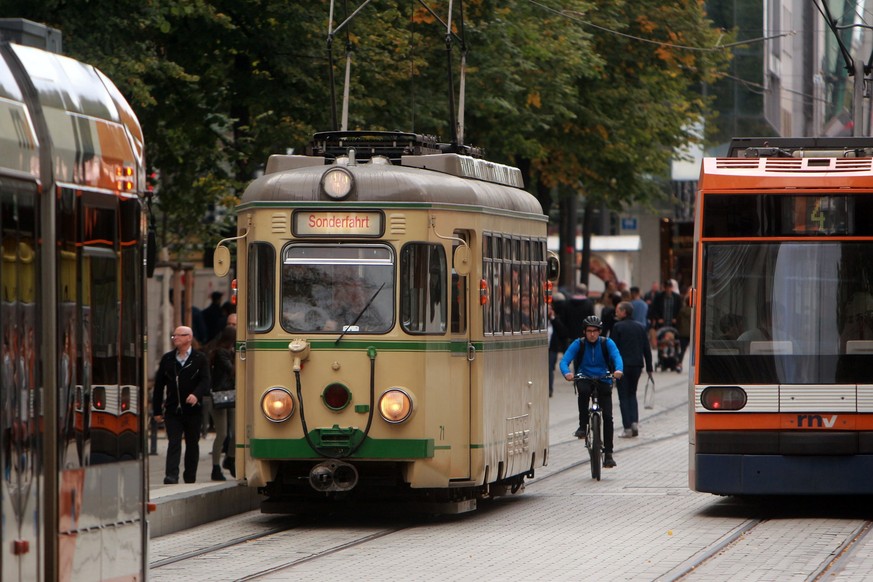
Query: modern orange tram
{"x": 781, "y": 391}
{"x": 73, "y": 490}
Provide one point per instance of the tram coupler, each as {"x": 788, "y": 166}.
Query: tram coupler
{"x": 333, "y": 476}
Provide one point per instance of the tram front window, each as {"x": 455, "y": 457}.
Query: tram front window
{"x": 790, "y": 312}
{"x": 337, "y": 288}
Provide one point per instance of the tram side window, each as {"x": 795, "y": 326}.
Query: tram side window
{"x": 261, "y": 288}
{"x": 496, "y": 285}
{"x": 423, "y": 284}
{"x": 459, "y": 292}
{"x": 507, "y": 285}
{"x": 487, "y": 274}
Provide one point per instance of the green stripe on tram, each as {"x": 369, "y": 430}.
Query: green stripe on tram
{"x": 490, "y": 345}
{"x": 370, "y": 449}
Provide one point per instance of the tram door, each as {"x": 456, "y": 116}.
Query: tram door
{"x": 20, "y": 437}
{"x": 462, "y": 353}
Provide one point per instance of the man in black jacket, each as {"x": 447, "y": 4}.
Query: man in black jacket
{"x": 184, "y": 372}
{"x": 633, "y": 345}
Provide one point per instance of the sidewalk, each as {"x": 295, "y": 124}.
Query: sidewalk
{"x": 186, "y": 505}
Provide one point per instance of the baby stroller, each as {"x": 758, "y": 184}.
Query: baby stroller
{"x": 668, "y": 349}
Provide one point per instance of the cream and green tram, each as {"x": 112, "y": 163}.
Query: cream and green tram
{"x": 392, "y": 326}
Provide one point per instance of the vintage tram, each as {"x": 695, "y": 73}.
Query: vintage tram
{"x": 392, "y": 341}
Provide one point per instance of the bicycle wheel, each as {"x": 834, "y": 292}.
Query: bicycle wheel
{"x": 596, "y": 448}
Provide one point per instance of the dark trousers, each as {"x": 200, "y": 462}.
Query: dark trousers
{"x": 604, "y": 398}
{"x": 627, "y": 395}
{"x": 179, "y": 425}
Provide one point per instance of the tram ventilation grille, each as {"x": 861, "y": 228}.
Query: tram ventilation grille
{"x": 280, "y": 223}
{"x": 397, "y": 224}
{"x": 796, "y": 164}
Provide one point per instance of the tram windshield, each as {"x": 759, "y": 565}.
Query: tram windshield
{"x": 335, "y": 288}
{"x": 786, "y": 312}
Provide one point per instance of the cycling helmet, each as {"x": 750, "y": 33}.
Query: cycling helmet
{"x": 593, "y": 321}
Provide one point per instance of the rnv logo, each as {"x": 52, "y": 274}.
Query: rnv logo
{"x": 816, "y": 421}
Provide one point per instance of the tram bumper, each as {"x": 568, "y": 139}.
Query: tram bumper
{"x": 784, "y": 475}
{"x": 333, "y": 475}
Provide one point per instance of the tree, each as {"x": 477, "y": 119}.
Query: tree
{"x": 219, "y": 85}
{"x": 634, "y": 111}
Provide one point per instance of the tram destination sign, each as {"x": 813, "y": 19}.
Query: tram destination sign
{"x": 337, "y": 223}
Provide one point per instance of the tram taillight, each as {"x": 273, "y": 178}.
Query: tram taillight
{"x": 723, "y": 398}
{"x": 483, "y": 292}
{"x": 125, "y": 399}
{"x": 98, "y": 398}
{"x": 336, "y": 396}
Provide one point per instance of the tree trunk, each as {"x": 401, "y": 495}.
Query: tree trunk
{"x": 567, "y": 232}
{"x": 587, "y": 219}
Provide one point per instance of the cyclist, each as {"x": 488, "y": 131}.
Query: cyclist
{"x": 594, "y": 356}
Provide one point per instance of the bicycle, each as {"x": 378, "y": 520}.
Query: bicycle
{"x": 594, "y": 436}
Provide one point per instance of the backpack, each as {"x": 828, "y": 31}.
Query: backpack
{"x": 602, "y": 341}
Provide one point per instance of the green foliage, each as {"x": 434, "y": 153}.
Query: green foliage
{"x": 219, "y": 85}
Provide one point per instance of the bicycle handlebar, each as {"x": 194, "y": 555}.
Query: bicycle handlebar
{"x": 581, "y": 377}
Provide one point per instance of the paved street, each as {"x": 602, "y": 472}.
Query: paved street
{"x": 639, "y": 523}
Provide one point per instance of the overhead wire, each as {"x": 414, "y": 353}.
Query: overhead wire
{"x": 574, "y": 16}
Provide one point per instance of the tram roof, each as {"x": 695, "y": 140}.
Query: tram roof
{"x": 424, "y": 179}
{"x": 87, "y": 118}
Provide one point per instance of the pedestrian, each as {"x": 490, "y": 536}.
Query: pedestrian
{"x": 214, "y": 317}
{"x": 577, "y": 307}
{"x": 221, "y": 366}
{"x": 641, "y": 308}
{"x": 633, "y": 344}
{"x": 608, "y": 314}
{"x": 557, "y": 344}
{"x": 184, "y": 373}
{"x": 594, "y": 356}
{"x": 683, "y": 326}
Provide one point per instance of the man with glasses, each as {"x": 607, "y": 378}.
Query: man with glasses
{"x": 594, "y": 357}
{"x": 184, "y": 372}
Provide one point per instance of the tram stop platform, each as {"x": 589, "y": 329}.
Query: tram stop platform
{"x": 187, "y": 505}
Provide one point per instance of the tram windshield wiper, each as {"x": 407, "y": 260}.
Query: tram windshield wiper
{"x": 352, "y": 324}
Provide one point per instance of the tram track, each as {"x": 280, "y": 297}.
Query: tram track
{"x": 326, "y": 552}
{"x": 206, "y": 550}
{"x": 701, "y": 564}
{"x": 301, "y": 531}
{"x": 834, "y": 567}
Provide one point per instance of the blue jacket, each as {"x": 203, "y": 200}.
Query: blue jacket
{"x": 592, "y": 363}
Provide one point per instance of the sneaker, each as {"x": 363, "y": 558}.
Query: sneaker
{"x": 635, "y": 429}
{"x": 171, "y": 481}
{"x": 608, "y": 461}
{"x": 626, "y": 433}
{"x": 580, "y": 433}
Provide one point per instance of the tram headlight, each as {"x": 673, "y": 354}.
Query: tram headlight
{"x": 277, "y": 404}
{"x": 337, "y": 183}
{"x": 395, "y": 405}
{"x": 723, "y": 398}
